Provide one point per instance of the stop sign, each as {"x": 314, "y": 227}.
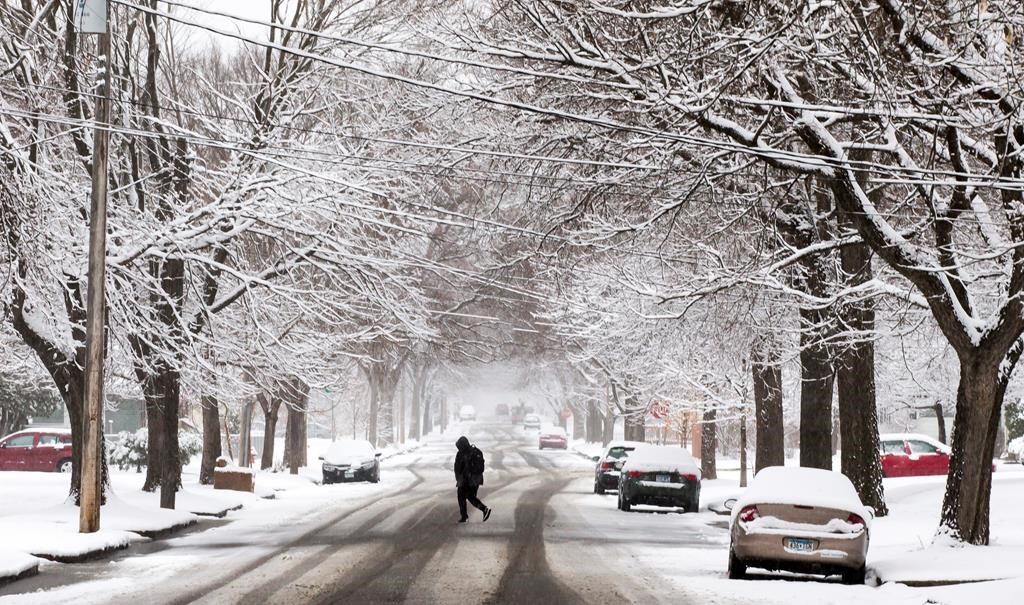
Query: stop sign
{"x": 566, "y": 413}
{"x": 658, "y": 409}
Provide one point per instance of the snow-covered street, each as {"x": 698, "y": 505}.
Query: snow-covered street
{"x": 550, "y": 540}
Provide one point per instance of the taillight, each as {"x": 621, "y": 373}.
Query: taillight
{"x": 607, "y": 466}
{"x": 855, "y": 519}
{"x": 749, "y": 513}
{"x": 690, "y": 477}
{"x": 635, "y": 474}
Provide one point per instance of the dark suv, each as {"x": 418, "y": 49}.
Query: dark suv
{"x": 606, "y": 473}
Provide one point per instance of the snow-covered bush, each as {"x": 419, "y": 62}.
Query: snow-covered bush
{"x": 1016, "y": 448}
{"x": 132, "y": 449}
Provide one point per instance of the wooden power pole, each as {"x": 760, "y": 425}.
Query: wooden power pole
{"x": 89, "y": 20}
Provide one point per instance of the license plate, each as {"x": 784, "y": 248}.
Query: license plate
{"x": 664, "y": 478}
{"x": 800, "y": 545}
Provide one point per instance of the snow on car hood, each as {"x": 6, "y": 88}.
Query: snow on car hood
{"x": 648, "y": 458}
{"x": 803, "y": 486}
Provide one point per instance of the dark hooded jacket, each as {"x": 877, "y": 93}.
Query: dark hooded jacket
{"x": 462, "y": 474}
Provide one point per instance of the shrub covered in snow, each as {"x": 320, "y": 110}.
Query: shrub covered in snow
{"x": 132, "y": 449}
{"x": 1016, "y": 448}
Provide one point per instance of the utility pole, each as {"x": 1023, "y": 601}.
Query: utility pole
{"x": 93, "y": 17}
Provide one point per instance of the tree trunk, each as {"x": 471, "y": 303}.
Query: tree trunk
{"x": 855, "y": 376}
{"x": 633, "y": 420}
{"x": 401, "y": 416}
{"x": 578, "y": 423}
{"x": 170, "y": 473}
{"x": 815, "y": 394}
{"x": 297, "y": 396}
{"x": 743, "y": 450}
{"x": 374, "y": 384}
{"x": 245, "y": 433}
{"x": 940, "y": 420}
{"x": 769, "y": 432}
{"x": 211, "y": 439}
{"x": 270, "y": 404}
{"x": 428, "y": 423}
{"x": 416, "y": 415}
{"x": 965, "y": 507}
{"x": 154, "y": 435}
{"x": 709, "y": 443}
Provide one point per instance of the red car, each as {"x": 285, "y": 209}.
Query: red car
{"x": 905, "y": 455}
{"x": 554, "y": 437}
{"x": 36, "y": 450}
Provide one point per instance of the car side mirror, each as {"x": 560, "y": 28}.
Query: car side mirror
{"x": 595, "y": 458}
{"x": 319, "y": 457}
{"x": 729, "y": 504}
{"x": 377, "y": 455}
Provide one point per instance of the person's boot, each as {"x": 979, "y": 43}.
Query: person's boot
{"x": 487, "y": 514}
{"x": 463, "y": 519}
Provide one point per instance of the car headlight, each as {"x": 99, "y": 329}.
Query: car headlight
{"x": 329, "y": 467}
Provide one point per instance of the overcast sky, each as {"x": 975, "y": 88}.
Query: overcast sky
{"x": 250, "y": 9}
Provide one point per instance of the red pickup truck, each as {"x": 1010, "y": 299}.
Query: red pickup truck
{"x": 36, "y": 450}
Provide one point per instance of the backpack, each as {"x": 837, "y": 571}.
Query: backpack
{"x": 476, "y": 461}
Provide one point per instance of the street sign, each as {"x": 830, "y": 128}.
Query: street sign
{"x": 658, "y": 409}
{"x": 91, "y": 16}
{"x": 566, "y": 413}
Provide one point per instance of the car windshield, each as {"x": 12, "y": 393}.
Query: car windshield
{"x": 341, "y": 450}
{"x": 922, "y": 447}
{"x": 892, "y": 447}
{"x": 619, "y": 452}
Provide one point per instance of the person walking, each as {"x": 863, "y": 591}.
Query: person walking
{"x": 469, "y": 476}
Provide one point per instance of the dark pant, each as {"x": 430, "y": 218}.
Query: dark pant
{"x": 468, "y": 492}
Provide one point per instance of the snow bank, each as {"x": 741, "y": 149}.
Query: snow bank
{"x": 804, "y": 486}
{"x": 651, "y": 458}
{"x": 14, "y": 563}
{"x": 963, "y": 563}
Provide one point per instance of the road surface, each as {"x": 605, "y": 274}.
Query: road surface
{"x": 550, "y": 540}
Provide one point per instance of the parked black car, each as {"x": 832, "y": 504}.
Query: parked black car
{"x": 350, "y": 460}
{"x": 606, "y": 473}
{"x": 658, "y": 475}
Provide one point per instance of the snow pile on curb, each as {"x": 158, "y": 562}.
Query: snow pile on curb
{"x": 14, "y": 564}
{"x": 945, "y": 564}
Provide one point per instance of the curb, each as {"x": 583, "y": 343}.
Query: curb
{"x": 28, "y": 573}
{"x": 82, "y": 558}
{"x": 163, "y": 533}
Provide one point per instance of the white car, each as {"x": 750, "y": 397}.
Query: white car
{"x": 531, "y": 421}
{"x": 467, "y": 412}
{"x": 351, "y": 460}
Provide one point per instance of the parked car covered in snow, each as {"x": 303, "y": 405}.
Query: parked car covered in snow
{"x": 531, "y": 421}
{"x": 36, "y": 450}
{"x": 804, "y": 520}
{"x": 659, "y": 475}
{"x": 554, "y": 437}
{"x": 351, "y": 460}
{"x": 467, "y": 412}
{"x": 609, "y": 465}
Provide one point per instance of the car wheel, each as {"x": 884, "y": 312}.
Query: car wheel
{"x": 737, "y": 570}
{"x": 542, "y": 447}
{"x": 327, "y": 481}
{"x": 855, "y": 576}
{"x": 625, "y": 505}
{"x": 64, "y": 466}
{"x": 598, "y": 487}
{"x": 375, "y": 478}
{"x": 692, "y": 507}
